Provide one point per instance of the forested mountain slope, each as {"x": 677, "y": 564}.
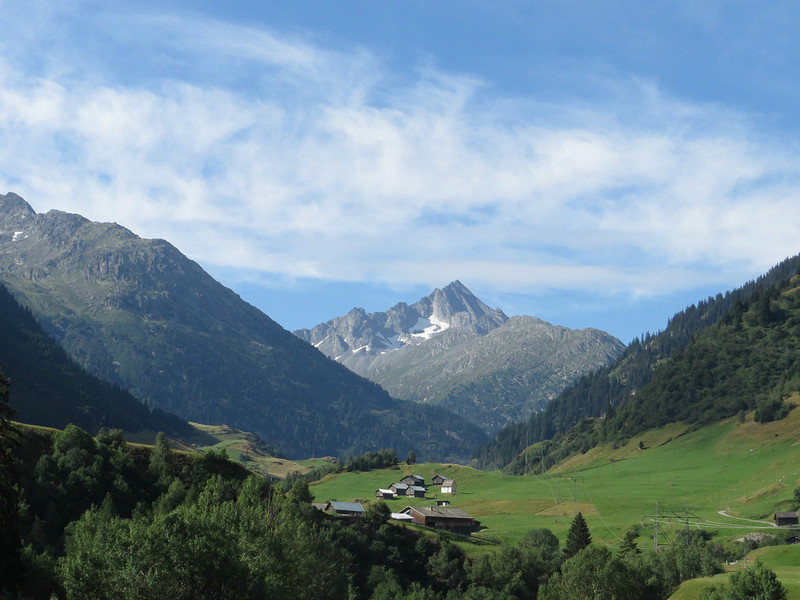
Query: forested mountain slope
{"x": 50, "y": 389}
{"x": 596, "y": 394}
{"x": 141, "y": 315}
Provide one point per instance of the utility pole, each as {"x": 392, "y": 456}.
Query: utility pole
{"x": 655, "y": 529}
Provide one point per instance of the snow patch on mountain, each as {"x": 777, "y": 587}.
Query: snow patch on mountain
{"x": 425, "y": 328}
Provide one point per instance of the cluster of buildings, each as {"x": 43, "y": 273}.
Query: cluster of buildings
{"x": 413, "y": 486}
{"x": 441, "y": 516}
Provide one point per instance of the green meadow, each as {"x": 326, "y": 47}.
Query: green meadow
{"x": 681, "y": 478}
{"x": 784, "y": 560}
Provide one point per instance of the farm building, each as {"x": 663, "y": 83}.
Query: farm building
{"x": 413, "y": 480}
{"x": 453, "y": 519}
{"x": 399, "y": 488}
{"x": 786, "y": 518}
{"x": 383, "y": 494}
{"x": 416, "y": 491}
{"x": 347, "y": 509}
{"x": 437, "y": 480}
{"x": 449, "y": 486}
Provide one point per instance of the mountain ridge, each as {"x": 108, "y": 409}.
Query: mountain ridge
{"x": 141, "y": 315}
{"x": 450, "y": 349}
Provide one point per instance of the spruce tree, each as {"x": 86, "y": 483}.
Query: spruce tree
{"x": 578, "y": 536}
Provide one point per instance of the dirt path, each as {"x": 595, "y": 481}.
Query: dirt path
{"x": 724, "y": 514}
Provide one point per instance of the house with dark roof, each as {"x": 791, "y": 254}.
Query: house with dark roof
{"x": 416, "y": 491}
{"x": 437, "y": 480}
{"x": 347, "y": 509}
{"x": 413, "y": 480}
{"x": 786, "y": 518}
{"x": 452, "y": 519}
{"x": 399, "y": 488}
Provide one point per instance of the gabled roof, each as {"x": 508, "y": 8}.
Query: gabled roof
{"x": 399, "y": 486}
{"x": 383, "y": 491}
{"x": 402, "y": 517}
{"x": 448, "y": 483}
{"x": 439, "y": 511}
{"x": 346, "y": 506}
{"x": 418, "y": 488}
{"x": 786, "y": 515}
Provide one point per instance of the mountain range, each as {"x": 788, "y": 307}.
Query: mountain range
{"x": 139, "y": 314}
{"x": 452, "y": 350}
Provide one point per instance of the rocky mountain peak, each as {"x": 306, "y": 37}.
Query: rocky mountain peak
{"x": 359, "y": 332}
{"x": 14, "y": 213}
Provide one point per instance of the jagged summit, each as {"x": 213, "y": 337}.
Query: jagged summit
{"x": 381, "y": 332}
{"x": 451, "y": 349}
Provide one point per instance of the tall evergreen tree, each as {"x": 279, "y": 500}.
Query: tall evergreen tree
{"x": 10, "y": 542}
{"x": 578, "y": 536}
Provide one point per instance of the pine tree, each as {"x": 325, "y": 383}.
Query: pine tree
{"x": 628, "y": 545}
{"x": 578, "y": 536}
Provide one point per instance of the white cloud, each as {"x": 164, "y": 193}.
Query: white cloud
{"x": 333, "y": 167}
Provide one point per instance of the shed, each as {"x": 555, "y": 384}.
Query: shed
{"x": 348, "y": 509}
{"x": 449, "y": 486}
{"x": 786, "y": 518}
{"x": 437, "y": 479}
{"x": 413, "y": 480}
{"x": 453, "y": 519}
{"x": 399, "y": 488}
{"x": 417, "y": 491}
{"x": 383, "y": 494}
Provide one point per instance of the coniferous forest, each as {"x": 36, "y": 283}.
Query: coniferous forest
{"x": 606, "y": 389}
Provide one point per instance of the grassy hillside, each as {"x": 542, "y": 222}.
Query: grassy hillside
{"x": 784, "y": 560}
{"x": 613, "y": 386}
{"x": 746, "y": 469}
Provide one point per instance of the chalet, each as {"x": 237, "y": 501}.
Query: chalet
{"x": 347, "y": 509}
{"x": 452, "y": 519}
{"x": 437, "y": 480}
{"x": 416, "y": 491}
{"x": 413, "y": 480}
{"x": 449, "y": 486}
{"x": 399, "y": 489}
{"x": 382, "y": 494}
{"x": 785, "y": 518}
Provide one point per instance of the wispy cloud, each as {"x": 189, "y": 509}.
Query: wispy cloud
{"x": 276, "y": 155}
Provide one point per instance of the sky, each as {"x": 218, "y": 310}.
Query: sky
{"x": 594, "y": 164}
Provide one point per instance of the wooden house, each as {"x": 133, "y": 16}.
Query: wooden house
{"x": 383, "y": 494}
{"x": 449, "y": 486}
{"x": 437, "y": 480}
{"x": 786, "y": 518}
{"x": 416, "y": 491}
{"x": 347, "y": 509}
{"x": 399, "y": 489}
{"x": 452, "y": 519}
{"x": 413, "y": 480}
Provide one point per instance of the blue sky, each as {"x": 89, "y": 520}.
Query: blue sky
{"x": 594, "y": 164}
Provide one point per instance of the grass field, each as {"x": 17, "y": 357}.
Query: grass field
{"x": 745, "y": 469}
